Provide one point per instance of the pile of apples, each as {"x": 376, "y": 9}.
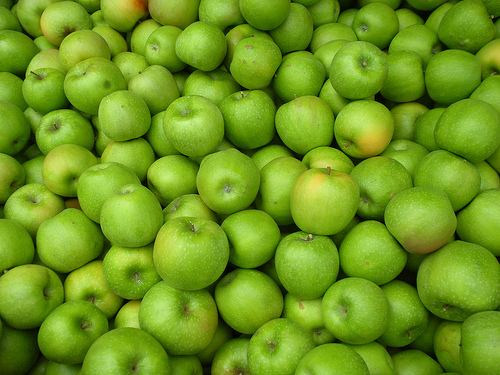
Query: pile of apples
{"x": 263, "y": 187}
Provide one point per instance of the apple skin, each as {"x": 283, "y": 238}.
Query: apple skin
{"x": 15, "y": 128}
{"x": 183, "y": 321}
{"x": 417, "y": 232}
{"x": 124, "y": 15}
{"x": 306, "y": 264}
{"x": 446, "y": 345}
{"x": 478, "y": 347}
{"x": 223, "y": 14}
{"x": 328, "y": 32}
{"x": 323, "y": 201}
{"x": 29, "y": 293}
{"x": 81, "y": 45}
{"x": 376, "y": 357}
{"x": 488, "y": 56}
{"x": 18, "y": 247}
{"x": 13, "y": 176}
{"x": 121, "y": 350}
{"x": 128, "y": 315}
{"x": 437, "y": 281}
{"x": 247, "y": 299}
{"x": 19, "y": 350}
{"x": 190, "y": 253}
{"x": 18, "y": 50}
{"x": 328, "y": 156}
{"x": 415, "y": 361}
{"x": 70, "y": 329}
{"x": 190, "y": 205}
{"x": 178, "y": 13}
{"x": 409, "y": 153}
{"x": 68, "y": 240}
{"x": 488, "y": 91}
{"x": 42, "y": 84}
{"x": 231, "y": 356}
{"x": 11, "y": 89}
{"x": 265, "y": 16}
{"x": 294, "y": 343}
{"x": 377, "y": 23}
{"x": 206, "y": 356}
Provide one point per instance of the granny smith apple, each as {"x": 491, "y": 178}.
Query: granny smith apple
{"x": 19, "y": 350}
{"x": 415, "y": 361}
{"x": 160, "y": 48}
{"x": 81, "y": 45}
{"x": 377, "y": 23}
{"x": 487, "y": 91}
{"x": 124, "y": 15}
{"x": 323, "y": 11}
{"x": 215, "y": 85}
{"x": 130, "y": 64}
{"x": 13, "y": 176}
{"x": 269, "y": 152}
{"x": 265, "y": 16}
{"x": 330, "y": 31}
{"x": 190, "y": 205}
{"x": 327, "y": 156}
{"x": 376, "y": 357}
{"x": 128, "y": 315}
{"x": 17, "y": 245}
{"x": 223, "y": 14}
{"x": 18, "y": 50}
{"x": 11, "y": 89}
{"x": 15, "y": 128}
{"x": 42, "y": 84}
{"x": 231, "y": 356}
{"x": 178, "y": 13}
{"x": 424, "y": 128}
{"x": 446, "y": 345}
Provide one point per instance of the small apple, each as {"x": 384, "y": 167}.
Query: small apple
{"x": 19, "y": 350}
{"x": 446, "y": 345}
{"x": 231, "y": 357}
{"x": 408, "y": 153}
{"x": 15, "y": 128}
{"x": 18, "y": 50}
{"x": 415, "y": 361}
{"x": 12, "y": 178}
{"x": 377, "y": 23}
{"x": 265, "y": 15}
{"x": 128, "y": 315}
{"x": 17, "y": 245}
{"x": 215, "y": 85}
{"x": 160, "y": 48}
{"x": 190, "y": 205}
{"x": 178, "y": 13}
{"x": 81, "y": 45}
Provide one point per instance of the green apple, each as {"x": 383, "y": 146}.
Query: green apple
{"x": 364, "y": 128}
{"x": 327, "y": 52}
{"x": 32, "y": 204}
{"x": 12, "y": 178}
{"x": 304, "y": 123}
{"x": 17, "y": 248}
{"x": 194, "y": 125}
{"x": 15, "y": 128}
{"x": 42, "y": 84}
{"x": 69, "y": 330}
{"x": 253, "y": 237}
{"x": 8, "y": 20}
{"x": 90, "y": 5}
{"x": 205, "y": 357}
{"x": 476, "y": 221}
{"x": 408, "y": 17}
{"x": 231, "y": 357}
{"x": 68, "y": 240}
{"x": 405, "y": 118}
{"x": 90, "y": 80}
{"x": 190, "y": 205}
{"x": 269, "y": 152}
{"x": 19, "y": 350}
{"x": 248, "y": 118}
{"x": 478, "y": 343}
{"x": 62, "y": 167}
{"x": 33, "y": 169}
{"x": 160, "y": 48}
{"x": 64, "y": 126}
{"x": 11, "y": 90}
{"x": 183, "y": 321}
{"x": 300, "y": 73}
{"x": 115, "y": 40}
{"x": 488, "y": 91}
{"x": 458, "y": 121}
{"x": 99, "y": 182}
{"x": 122, "y": 350}
{"x": 128, "y": 315}
{"x": 323, "y": 11}
{"x": 425, "y": 342}
{"x": 421, "y": 218}
{"x": 178, "y": 13}
{"x": 376, "y": 357}
{"x": 379, "y": 178}
{"x": 295, "y": 32}
{"x": 408, "y": 153}
{"x": 424, "y": 128}
{"x": 130, "y": 64}
{"x": 331, "y": 96}
{"x": 62, "y": 18}
{"x": 358, "y": 70}
{"x": 131, "y": 216}
{"x": 446, "y": 345}
{"x": 228, "y": 181}
{"x": 130, "y": 272}
{"x": 456, "y": 176}
{"x": 323, "y": 201}
{"x": 408, "y": 317}
{"x": 190, "y": 253}
{"x": 87, "y": 283}
{"x": 489, "y": 176}
{"x": 277, "y": 347}
{"x": 201, "y": 45}
{"x": 185, "y": 364}
{"x": 265, "y": 57}
{"x": 476, "y": 30}
{"x": 124, "y": 15}
{"x": 29, "y": 13}
{"x": 328, "y": 32}
{"x": 18, "y": 50}
{"x": 223, "y": 14}
{"x": 157, "y": 138}
{"x": 488, "y": 56}
{"x": 81, "y": 45}
{"x": 248, "y": 298}
{"x": 29, "y": 293}
{"x": 369, "y": 251}
{"x": 265, "y": 15}
{"x": 306, "y": 264}
{"x": 215, "y": 85}
{"x": 377, "y": 23}
{"x": 327, "y": 156}
{"x": 414, "y": 361}
{"x": 456, "y": 299}
{"x": 442, "y": 75}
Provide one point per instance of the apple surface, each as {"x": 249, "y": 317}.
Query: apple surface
{"x": 265, "y": 16}
{"x": 415, "y": 361}
{"x": 17, "y": 245}
{"x": 446, "y": 344}
{"x": 15, "y": 128}
{"x": 123, "y": 15}
{"x": 231, "y": 356}
{"x": 13, "y": 176}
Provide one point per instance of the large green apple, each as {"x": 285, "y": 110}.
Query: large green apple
{"x": 446, "y": 344}
{"x": 17, "y": 51}
{"x": 180, "y": 13}
{"x": 215, "y": 85}
{"x": 456, "y": 298}
{"x": 377, "y": 23}
{"x": 266, "y": 15}
{"x": 190, "y": 253}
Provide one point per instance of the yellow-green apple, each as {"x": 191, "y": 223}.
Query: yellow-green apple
{"x": 29, "y": 12}
{"x": 33, "y": 169}
{"x": 17, "y": 245}
{"x": 86, "y": 83}
{"x": 408, "y": 317}
{"x": 328, "y": 32}
{"x": 194, "y": 125}
{"x": 364, "y": 128}
{"x": 15, "y": 128}
{"x": 128, "y": 315}
{"x": 180, "y": 13}
{"x": 369, "y": 251}
{"x": 201, "y": 45}
{"x": 456, "y": 176}
{"x": 215, "y": 85}
{"x": 125, "y": 349}
{"x": 248, "y": 298}
{"x": 30, "y": 292}
{"x": 477, "y": 221}
{"x": 18, "y": 50}
{"x": 87, "y": 283}
{"x": 328, "y": 156}
{"x": 248, "y": 118}
{"x": 461, "y": 119}
{"x": 223, "y": 14}
{"x": 131, "y": 216}
{"x": 68, "y": 241}
{"x": 416, "y": 361}
{"x": 123, "y": 15}
{"x": 190, "y": 205}
{"x": 81, "y": 45}
{"x": 228, "y": 181}
{"x": 421, "y": 218}
{"x": 323, "y": 201}
{"x": 12, "y": 178}
{"x": 265, "y": 15}
{"x": 171, "y": 176}
{"x": 456, "y": 299}
{"x": 43, "y": 90}
{"x": 190, "y": 253}
{"x": 253, "y": 237}
{"x": 69, "y": 330}
{"x": 183, "y": 321}
{"x": 306, "y": 264}
{"x": 160, "y": 48}
{"x": 488, "y": 57}
{"x": 377, "y": 23}
{"x": 446, "y": 345}
{"x": 442, "y": 76}
{"x": 408, "y": 153}
{"x": 277, "y": 179}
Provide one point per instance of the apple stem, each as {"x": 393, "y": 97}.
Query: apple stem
{"x": 308, "y": 238}
{"x": 328, "y": 170}
{"x": 409, "y": 334}
{"x": 85, "y": 325}
{"x": 38, "y": 76}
